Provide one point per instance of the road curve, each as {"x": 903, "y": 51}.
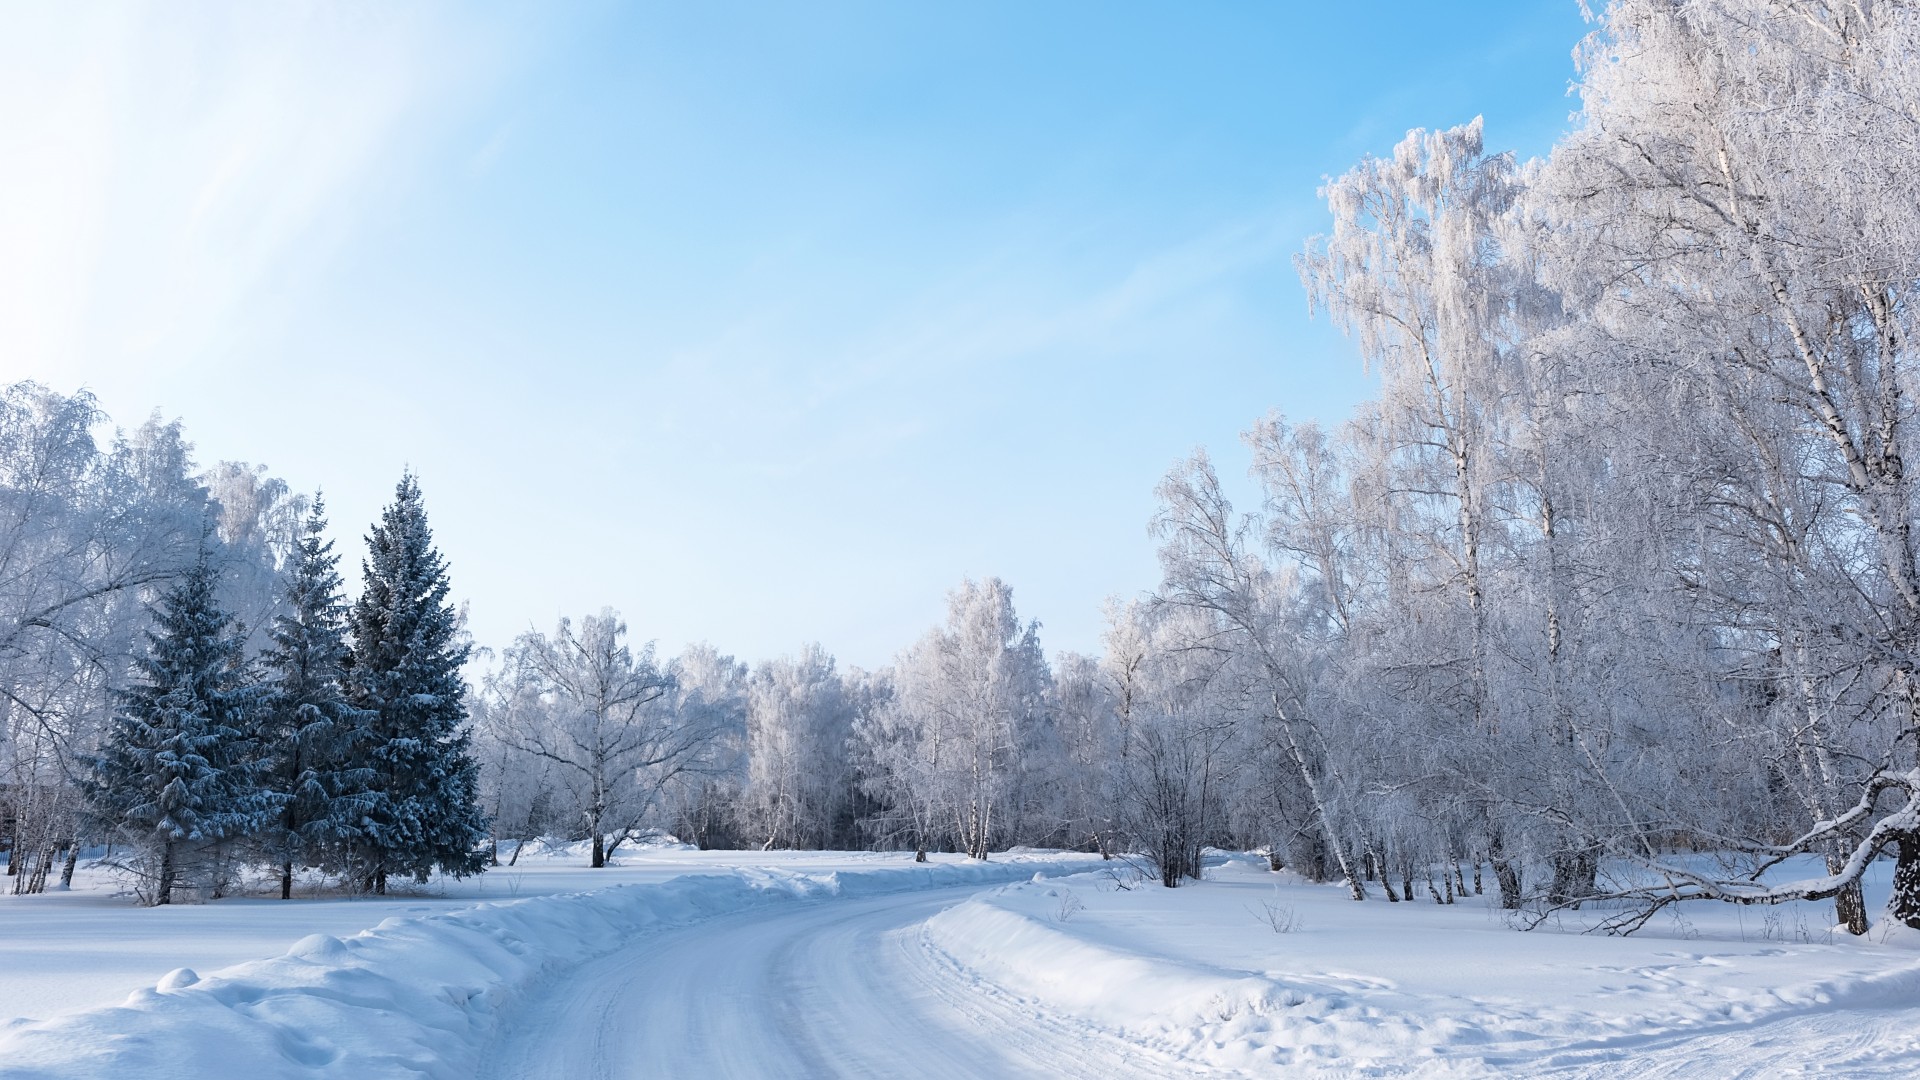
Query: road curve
{"x": 828, "y": 988}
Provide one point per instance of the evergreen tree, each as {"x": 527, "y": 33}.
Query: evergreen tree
{"x": 424, "y": 810}
{"x": 179, "y": 773}
{"x": 316, "y": 737}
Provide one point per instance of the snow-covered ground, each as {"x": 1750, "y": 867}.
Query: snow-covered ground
{"x": 799, "y": 992}
{"x": 820, "y": 964}
{"x": 426, "y": 994}
{"x": 66, "y": 950}
{"x": 1256, "y": 971}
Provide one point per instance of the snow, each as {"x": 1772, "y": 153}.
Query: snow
{"x": 803, "y": 991}
{"x": 1449, "y": 990}
{"x": 67, "y": 950}
{"x": 678, "y": 957}
{"x": 417, "y": 993}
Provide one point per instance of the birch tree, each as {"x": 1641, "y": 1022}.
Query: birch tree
{"x": 799, "y": 719}
{"x": 966, "y": 699}
{"x": 1209, "y": 565}
{"x": 1739, "y": 206}
{"x": 85, "y": 531}
{"x": 602, "y": 717}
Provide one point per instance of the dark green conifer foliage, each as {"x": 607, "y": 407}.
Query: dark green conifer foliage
{"x": 423, "y": 812}
{"x": 318, "y": 741}
{"x": 179, "y": 772}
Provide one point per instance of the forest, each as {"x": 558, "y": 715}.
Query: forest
{"x": 1617, "y": 568}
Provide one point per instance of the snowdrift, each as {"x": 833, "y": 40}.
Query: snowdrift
{"x": 413, "y": 997}
{"x": 1411, "y": 990}
{"x": 1008, "y": 938}
{"x": 1017, "y": 939}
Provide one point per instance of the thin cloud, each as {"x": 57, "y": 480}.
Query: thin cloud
{"x": 166, "y": 165}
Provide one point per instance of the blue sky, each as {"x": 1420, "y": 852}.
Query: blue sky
{"x": 761, "y": 323}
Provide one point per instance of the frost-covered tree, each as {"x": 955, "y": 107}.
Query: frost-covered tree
{"x": 1735, "y": 219}
{"x": 318, "y": 762}
{"x": 1413, "y": 270}
{"x": 1189, "y": 709}
{"x": 1213, "y": 569}
{"x": 179, "y": 772}
{"x": 799, "y": 787}
{"x": 518, "y": 790}
{"x": 702, "y": 791}
{"x": 968, "y": 699}
{"x": 404, "y": 670}
{"x": 1087, "y": 772}
{"x": 85, "y": 529}
{"x": 258, "y": 521}
{"x": 604, "y": 718}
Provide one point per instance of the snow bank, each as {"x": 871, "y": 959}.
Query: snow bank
{"x": 1009, "y": 939}
{"x": 1402, "y": 989}
{"x": 413, "y": 996}
{"x": 1021, "y": 939}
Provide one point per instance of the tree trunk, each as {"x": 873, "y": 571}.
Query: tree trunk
{"x": 599, "y": 851}
{"x": 1574, "y": 874}
{"x": 163, "y": 888}
{"x": 1354, "y": 886}
{"x": 66, "y": 869}
{"x": 1904, "y": 904}
{"x": 1851, "y": 908}
{"x": 37, "y": 878}
{"x": 1313, "y": 861}
{"x": 286, "y": 879}
{"x": 1506, "y": 873}
{"x": 920, "y": 854}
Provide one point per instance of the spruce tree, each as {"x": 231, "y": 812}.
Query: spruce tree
{"x": 423, "y": 812}
{"x": 318, "y": 763}
{"x": 179, "y": 772}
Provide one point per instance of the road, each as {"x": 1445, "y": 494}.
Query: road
{"x": 829, "y": 988}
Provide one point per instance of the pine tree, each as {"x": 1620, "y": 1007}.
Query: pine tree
{"x": 317, "y": 738}
{"x": 178, "y": 775}
{"x": 424, "y": 811}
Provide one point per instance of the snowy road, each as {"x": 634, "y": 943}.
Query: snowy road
{"x": 833, "y": 988}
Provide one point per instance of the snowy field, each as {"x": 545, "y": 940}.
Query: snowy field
{"x": 813, "y": 964}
